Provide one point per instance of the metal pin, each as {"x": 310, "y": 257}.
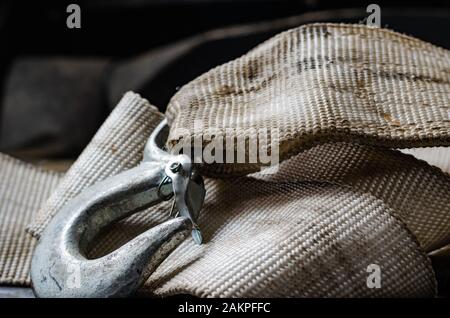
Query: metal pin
{"x": 172, "y": 209}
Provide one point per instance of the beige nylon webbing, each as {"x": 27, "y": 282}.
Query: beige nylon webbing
{"x": 23, "y": 190}
{"x": 260, "y": 233}
{"x": 320, "y": 83}
{"x": 312, "y": 228}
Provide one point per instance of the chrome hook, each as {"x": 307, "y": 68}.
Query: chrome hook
{"x": 60, "y": 267}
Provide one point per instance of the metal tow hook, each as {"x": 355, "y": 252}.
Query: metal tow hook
{"x": 60, "y": 267}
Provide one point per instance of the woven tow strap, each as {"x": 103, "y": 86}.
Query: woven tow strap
{"x": 317, "y": 224}
{"x": 320, "y": 83}
{"x": 313, "y": 227}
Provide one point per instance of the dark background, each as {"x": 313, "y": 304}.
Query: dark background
{"x": 38, "y": 27}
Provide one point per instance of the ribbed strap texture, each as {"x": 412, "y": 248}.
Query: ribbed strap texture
{"x": 320, "y": 83}
{"x": 23, "y": 189}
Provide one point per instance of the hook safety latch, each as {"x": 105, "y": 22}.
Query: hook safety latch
{"x": 60, "y": 267}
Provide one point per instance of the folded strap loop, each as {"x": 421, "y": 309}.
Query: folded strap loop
{"x": 315, "y": 84}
